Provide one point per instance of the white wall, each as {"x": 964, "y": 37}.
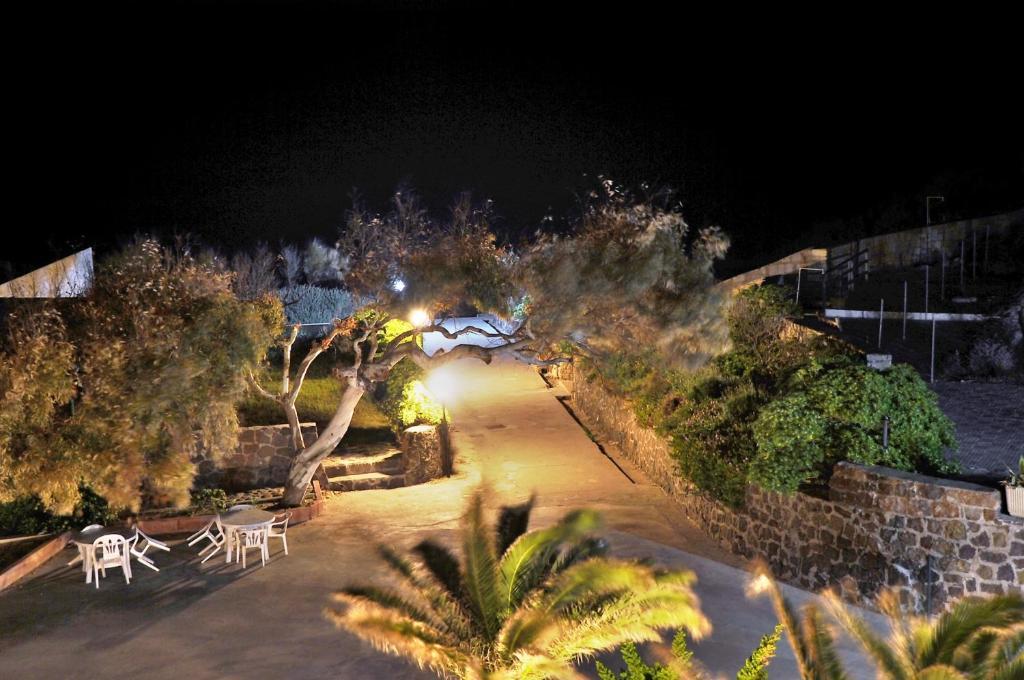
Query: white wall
{"x": 432, "y": 342}
{"x": 68, "y": 277}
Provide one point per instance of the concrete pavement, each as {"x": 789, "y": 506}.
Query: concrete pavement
{"x": 216, "y": 621}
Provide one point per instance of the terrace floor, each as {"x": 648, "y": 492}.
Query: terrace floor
{"x": 216, "y": 621}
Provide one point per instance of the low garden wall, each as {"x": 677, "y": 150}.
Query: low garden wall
{"x": 262, "y": 458}
{"x": 931, "y": 540}
{"x": 426, "y": 452}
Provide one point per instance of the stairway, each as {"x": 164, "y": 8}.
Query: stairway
{"x": 365, "y": 467}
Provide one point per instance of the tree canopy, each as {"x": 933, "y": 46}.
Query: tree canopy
{"x": 116, "y": 390}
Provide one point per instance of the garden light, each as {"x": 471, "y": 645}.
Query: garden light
{"x": 443, "y": 384}
{"x": 419, "y": 318}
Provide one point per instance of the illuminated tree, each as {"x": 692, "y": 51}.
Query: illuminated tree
{"x": 629, "y": 274}
{"x": 119, "y": 389}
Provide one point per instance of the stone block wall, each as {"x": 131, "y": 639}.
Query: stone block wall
{"x": 931, "y": 540}
{"x": 262, "y": 458}
{"x": 425, "y": 452}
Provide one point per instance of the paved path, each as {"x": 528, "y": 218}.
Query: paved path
{"x": 216, "y": 621}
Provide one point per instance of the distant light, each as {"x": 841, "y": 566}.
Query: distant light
{"x": 443, "y": 383}
{"x": 419, "y": 318}
{"x": 398, "y": 286}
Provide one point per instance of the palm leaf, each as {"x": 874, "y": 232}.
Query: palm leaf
{"x": 527, "y": 561}
{"x": 940, "y": 672}
{"x": 449, "y": 611}
{"x": 895, "y": 666}
{"x": 387, "y": 600}
{"x": 396, "y": 634}
{"x": 820, "y": 644}
{"x": 481, "y": 578}
{"x": 938, "y": 642}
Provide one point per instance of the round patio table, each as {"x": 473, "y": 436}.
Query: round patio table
{"x": 238, "y": 519}
{"x": 84, "y": 538}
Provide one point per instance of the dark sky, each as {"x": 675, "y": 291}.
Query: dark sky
{"x": 240, "y": 122}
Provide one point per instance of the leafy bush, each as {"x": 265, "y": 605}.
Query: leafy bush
{"x": 209, "y": 501}
{"x": 28, "y": 515}
{"x": 406, "y": 401}
{"x": 836, "y": 413}
{"x": 418, "y": 406}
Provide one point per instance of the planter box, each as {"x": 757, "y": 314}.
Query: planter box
{"x": 1015, "y": 500}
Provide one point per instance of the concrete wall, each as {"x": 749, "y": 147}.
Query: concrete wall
{"x": 876, "y": 528}
{"x": 68, "y": 277}
{"x": 262, "y": 458}
{"x": 925, "y": 244}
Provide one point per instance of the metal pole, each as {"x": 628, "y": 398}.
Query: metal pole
{"x": 933, "y": 351}
{"x": 974, "y": 255}
{"x": 885, "y": 433}
{"x": 927, "y": 268}
{"x": 881, "y": 317}
{"x": 986, "y": 249}
{"x": 798, "y": 276}
{"x": 962, "y": 242}
{"x": 942, "y": 285}
{"x": 904, "y": 310}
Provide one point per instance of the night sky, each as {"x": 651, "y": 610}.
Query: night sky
{"x": 240, "y": 123}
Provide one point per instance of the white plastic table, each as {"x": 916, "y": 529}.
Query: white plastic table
{"x": 240, "y": 519}
{"x": 84, "y": 539}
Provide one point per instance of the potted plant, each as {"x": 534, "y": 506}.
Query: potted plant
{"x": 1015, "y": 490}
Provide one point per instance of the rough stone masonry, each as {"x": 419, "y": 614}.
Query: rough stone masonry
{"x": 931, "y": 540}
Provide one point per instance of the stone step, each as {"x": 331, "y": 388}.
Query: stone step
{"x": 366, "y": 481}
{"x": 388, "y": 462}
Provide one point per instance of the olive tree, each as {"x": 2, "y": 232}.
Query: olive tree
{"x": 119, "y": 388}
{"x": 629, "y": 273}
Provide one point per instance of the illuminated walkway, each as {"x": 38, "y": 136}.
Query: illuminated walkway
{"x": 215, "y": 621}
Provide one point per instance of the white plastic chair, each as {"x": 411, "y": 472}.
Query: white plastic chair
{"x": 139, "y": 553}
{"x": 279, "y": 529}
{"x": 111, "y": 550}
{"x": 251, "y": 537}
{"x": 212, "y": 531}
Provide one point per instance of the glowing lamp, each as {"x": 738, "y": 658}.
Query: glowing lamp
{"x": 443, "y": 384}
{"x": 419, "y": 318}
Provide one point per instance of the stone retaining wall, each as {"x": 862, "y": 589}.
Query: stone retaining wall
{"x": 426, "y": 453}
{"x": 262, "y": 458}
{"x": 877, "y": 528}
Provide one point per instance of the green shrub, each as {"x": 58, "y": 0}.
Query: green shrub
{"x": 28, "y": 515}
{"x": 208, "y": 501}
{"x": 836, "y": 413}
{"x": 406, "y": 401}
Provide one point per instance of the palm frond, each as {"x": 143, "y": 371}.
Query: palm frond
{"x": 513, "y": 521}
{"x": 593, "y": 579}
{"x": 937, "y": 643}
{"x": 820, "y": 644}
{"x": 584, "y": 549}
{"x": 890, "y": 662}
{"x": 526, "y": 630}
{"x": 940, "y": 672}
{"x": 388, "y": 600}
{"x": 481, "y": 578}
{"x": 399, "y": 635}
{"x": 526, "y": 563}
{"x": 448, "y": 610}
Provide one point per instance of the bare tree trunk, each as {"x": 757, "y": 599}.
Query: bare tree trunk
{"x": 293, "y": 424}
{"x": 305, "y": 463}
